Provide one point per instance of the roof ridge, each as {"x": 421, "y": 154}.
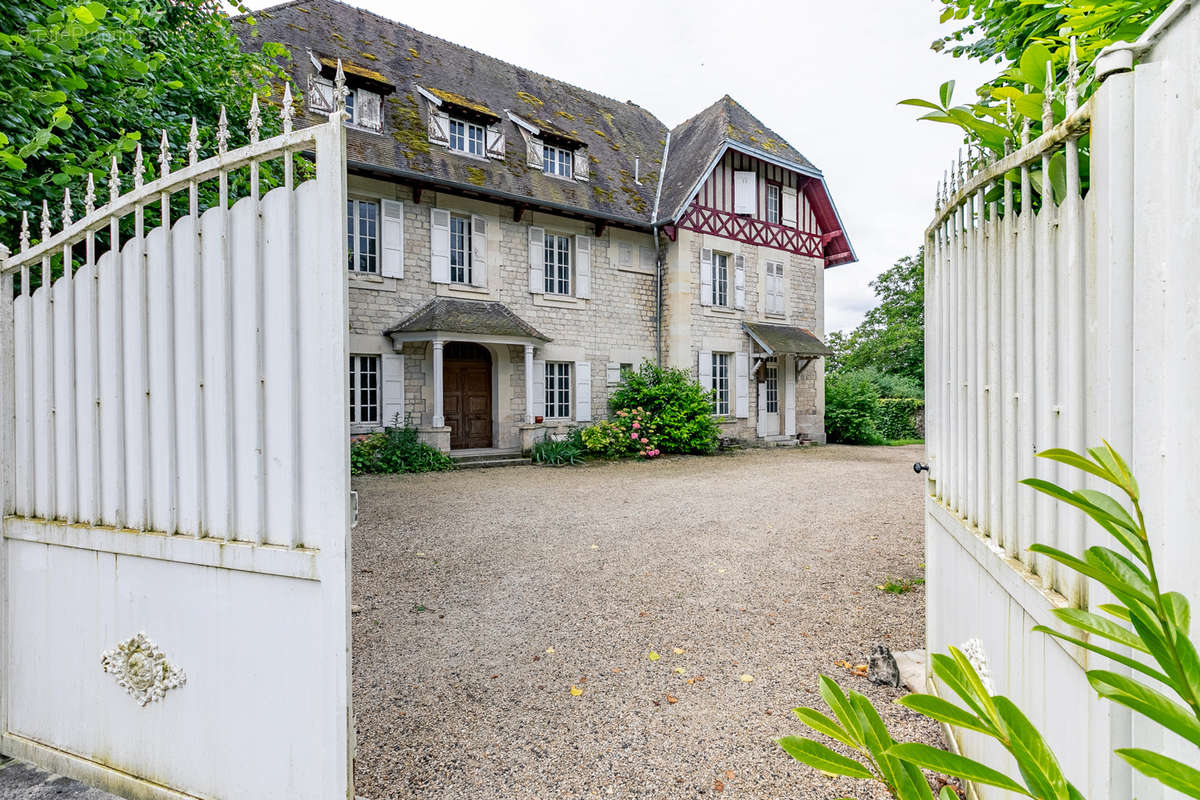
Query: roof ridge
{"x": 395, "y": 22}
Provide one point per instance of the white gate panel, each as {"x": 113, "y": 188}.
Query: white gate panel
{"x": 176, "y": 483}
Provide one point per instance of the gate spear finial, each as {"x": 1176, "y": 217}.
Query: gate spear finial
{"x": 193, "y": 144}
{"x": 339, "y": 89}
{"x": 89, "y": 197}
{"x": 255, "y": 118}
{"x": 1072, "y": 79}
{"x": 286, "y": 111}
{"x": 222, "y": 132}
{"x": 66, "y": 209}
{"x": 45, "y": 220}
{"x": 139, "y": 167}
{"x": 164, "y": 155}
{"x": 114, "y": 182}
{"x": 1048, "y": 99}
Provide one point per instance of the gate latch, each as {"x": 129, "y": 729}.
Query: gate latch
{"x": 917, "y": 468}
{"x": 353, "y": 509}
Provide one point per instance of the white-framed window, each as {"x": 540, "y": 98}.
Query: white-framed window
{"x": 364, "y": 109}
{"x": 362, "y": 235}
{"x": 460, "y": 249}
{"x": 558, "y": 263}
{"x": 774, "y": 288}
{"x": 364, "y": 390}
{"x": 771, "y": 373}
{"x": 556, "y": 161}
{"x": 720, "y": 383}
{"x": 773, "y": 203}
{"x": 466, "y": 137}
{"x": 558, "y": 389}
{"x": 720, "y": 283}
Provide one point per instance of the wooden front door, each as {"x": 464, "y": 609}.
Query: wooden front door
{"x": 467, "y": 394}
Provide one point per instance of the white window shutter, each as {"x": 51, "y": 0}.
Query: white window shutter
{"x": 439, "y": 126}
{"x": 537, "y": 261}
{"x": 495, "y": 142}
{"x": 320, "y": 94}
{"x": 479, "y": 250}
{"x": 439, "y": 245}
{"x": 539, "y": 388}
{"x": 704, "y": 370}
{"x": 583, "y": 267}
{"x": 706, "y": 277}
{"x": 613, "y": 373}
{"x": 789, "y": 207}
{"x": 392, "y": 366}
{"x": 745, "y": 192}
{"x": 739, "y": 281}
{"x": 647, "y": 256}
{"x": 583, "y": 391}
{"x": 534, "y": 156}
{"x": 392, "y": 212}
{"x": 625, "y": 254}
{"x": 742, "y": 381}
{"x": 760, "y": 426}
{"x": 369, "y": 110}
{"x": 581, "y": 164}
{"x": 788, "y": 365}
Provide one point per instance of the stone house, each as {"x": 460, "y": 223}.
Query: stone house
{"x": 515, "y": 242}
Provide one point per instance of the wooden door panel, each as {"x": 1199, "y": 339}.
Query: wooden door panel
{"x": 467, "y": 402}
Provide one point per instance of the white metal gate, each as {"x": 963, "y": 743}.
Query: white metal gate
{"x": 175, "y": 480}
{"x": 1056, "y": 328}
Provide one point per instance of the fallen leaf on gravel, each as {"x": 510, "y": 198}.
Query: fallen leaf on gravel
{"x": 679, "y": 670}
{"x": 654, "y": 656}
{"x": 747, "y": 678}
{"x": 718, "y": 786}
{"x": 700, "y": 678}
{"x": 537, "y": 658}
{"x": 595, "y": 547}
{"x": 691, "y": 681}
{"x": 656, "y": 702}
{"x": 678, "y": 651}
{"x": 420, "y": 555}
{"x": 720, "y": 570}
{"x": 549, "y": 649}
{"x": 495, "y": 676}
{"x": 583, "y": 678}
{"x": 616, "y": 669}
{"x": 729, "y": 774}
{"x": 672, "y": 699}
{"x": 576, "y": 691}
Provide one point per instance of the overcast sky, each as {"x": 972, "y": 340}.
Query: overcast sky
{"x": 825, "y": 76}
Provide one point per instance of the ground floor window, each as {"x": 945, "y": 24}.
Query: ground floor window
{"x": 558, "y": 389}
{"x": 364, "y": 389}
{"x": 720, "y": 383}
{"x": 772, "y": 389}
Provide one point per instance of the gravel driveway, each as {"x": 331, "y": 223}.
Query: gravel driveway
{"x": 487, "y": 595}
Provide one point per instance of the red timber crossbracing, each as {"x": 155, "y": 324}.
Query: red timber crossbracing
{"x": 750, "y": 231}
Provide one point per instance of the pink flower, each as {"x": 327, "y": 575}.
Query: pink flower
{"x": 645, "y": 440}
{"x": 653, "y": 452}
{"x": 633, "y": 436}
{"x": 636, "y": 425}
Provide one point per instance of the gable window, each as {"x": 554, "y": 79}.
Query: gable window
{"x": 720, "y": 383}
{"x": 720, "y": 284}
{"x": 558, "y": 389}
{"x": 362, "y": 235}
{"x": 364, "y": 389}
{"x": 773, "y": 203}
{"x": 558, "y": 263}
{"x": 460, "y": 249}
{"x": 466, "y": 137}
{"x": 556, "y": 161}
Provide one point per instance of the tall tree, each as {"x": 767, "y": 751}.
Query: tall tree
{"x": 891, "y": 338}
{"x": 82, "y": 83}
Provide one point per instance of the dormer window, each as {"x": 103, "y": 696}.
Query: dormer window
{"x": 363, "y": 109}
{"x": 466, "y": 137}
{"x": 365, "y": 89}
{"x": 556, "y": 161}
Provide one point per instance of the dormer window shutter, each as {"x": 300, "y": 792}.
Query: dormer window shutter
{"x": 790, "y": 207}
{"x": 369, "y": 110}
{"x": 534, "y": 156}
{"x": 583, "y": 267}
{"x": 581, "y": 164}
{"x": 320, "y": 94}
{"x": 745, "y": 192}
{"x": 495, "y": 142}
{"x": 439, "y": 126}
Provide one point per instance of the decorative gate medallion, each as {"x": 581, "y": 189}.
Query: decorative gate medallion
{"x": 142, "y": 669}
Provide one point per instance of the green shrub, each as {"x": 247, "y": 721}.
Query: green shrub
{"x": 896, "y": 417}
{"x": 396, "y": 450}
{"x": 851, "y": 409}
{"x": 679, "y": 409}
{"x": 606, "y": 439}
{"x": 557, "y": 453}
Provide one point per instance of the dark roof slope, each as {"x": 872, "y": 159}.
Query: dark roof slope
{"x": 786, "y": 339}
{"x": 467, "y": 316}
{"x": 697, "y": 141}
{"x": 615, "y": 133}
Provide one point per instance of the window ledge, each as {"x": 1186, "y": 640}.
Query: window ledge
{"x": 362, "y": 428}
{"x": 775, "y": 316}
{"x": 558, "y": 300}
{"x": 722, "y": 311}
{"x": 462, "y": 290}
{"x": 638, "y": 270}
{"x": 369, "y": 280}
{"x": 468, "y": 156}
{"x": 355, "y": 127}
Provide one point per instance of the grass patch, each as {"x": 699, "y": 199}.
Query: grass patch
{"x": 902, "y": 442}
{"x": 900, "y": 585}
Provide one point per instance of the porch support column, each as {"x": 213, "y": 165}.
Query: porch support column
{"x": 528, "y": 384}
{"x": 439, "y": 417}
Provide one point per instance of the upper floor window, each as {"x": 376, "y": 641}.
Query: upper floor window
{"x": 466, "y": 137}
{"x": 460, "y": 249}
{"x": 362, "y": 235}
{"x": 364, "y": 389}
{"x": 556, "y": 161}
{"x": 558, "y": 263}
{"x": 774, "y": 289}
{"x": 773, "y": 203}
{"x": 720, "y": 284}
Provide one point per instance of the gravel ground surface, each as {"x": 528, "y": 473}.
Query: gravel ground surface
{"x": 21, "y": 781}
{"x": 487, "y": 595}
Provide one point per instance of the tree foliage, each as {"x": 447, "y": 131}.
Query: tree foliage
{"x": 891, "y": 338}
{"x": 82, "y": 83}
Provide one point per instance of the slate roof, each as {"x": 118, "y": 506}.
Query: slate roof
{"x": 615, "y": 132}
{"x": 451, "y": 315}
{"x": 785, "y": 339}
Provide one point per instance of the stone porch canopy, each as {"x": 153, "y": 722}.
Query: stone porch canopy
{"x": 446, "y": 319}
{"x": 779, "y": 340}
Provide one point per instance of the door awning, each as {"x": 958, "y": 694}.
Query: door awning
{"x": 451, "y": 319}
{"x": 786, "y": 340}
